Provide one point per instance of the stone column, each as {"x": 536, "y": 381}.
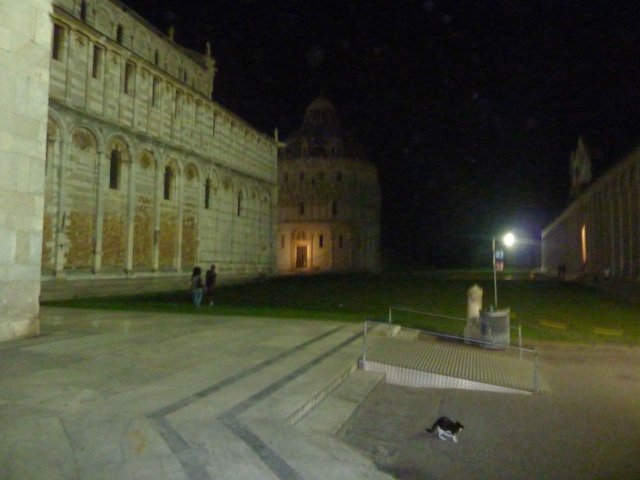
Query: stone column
{"x": 131, "y": 214}
{"x": 25, "y": 53}
{"x": 177, "y": 259}
{"x": 60, "y": 171}
{"x": 155, "y": 265}
{"x": 99, "y": 214}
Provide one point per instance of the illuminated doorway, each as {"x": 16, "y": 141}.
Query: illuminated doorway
{"x": 301, "y": 256}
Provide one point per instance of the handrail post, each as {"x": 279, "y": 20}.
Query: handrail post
{"x": 520, "y": 339}
{"x": 364, "y": 347}
{"x": 535, "y": 371}
{"x": 390, "y": 315}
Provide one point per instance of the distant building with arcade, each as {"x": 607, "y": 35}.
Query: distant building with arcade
{"x": 328, "y": 199}
{"x": 597, "y": 237}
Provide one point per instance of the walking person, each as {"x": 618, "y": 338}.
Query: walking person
{"x": 197, "y": 288}
{"x": 209, "y": 283}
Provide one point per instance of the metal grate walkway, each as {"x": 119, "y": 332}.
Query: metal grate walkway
{"x": 456, "y": 360}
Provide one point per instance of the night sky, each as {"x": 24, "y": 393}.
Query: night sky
{"x": 469, "y": 109}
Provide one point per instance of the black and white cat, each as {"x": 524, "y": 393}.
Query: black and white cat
{"x": 446, "y": 428}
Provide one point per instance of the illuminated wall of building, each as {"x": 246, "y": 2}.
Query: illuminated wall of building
{"x": 146, "y": 174}
{"x": 598, "y": 235}
{"x": 329, "y": 199}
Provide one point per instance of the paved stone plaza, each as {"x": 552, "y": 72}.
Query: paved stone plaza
{"x": 117, "y": 395}
{"x": 122, "y": 395}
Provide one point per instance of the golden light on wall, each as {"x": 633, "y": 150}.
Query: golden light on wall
{"x": 583, "y": 233}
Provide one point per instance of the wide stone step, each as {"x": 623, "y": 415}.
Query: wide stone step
{"x": 331, "y": 417}
{"x": 312, "y": 457}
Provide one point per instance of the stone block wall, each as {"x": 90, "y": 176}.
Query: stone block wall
{"x": 25, "y": 36}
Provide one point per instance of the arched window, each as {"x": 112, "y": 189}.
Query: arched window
{"x": 57, "y": 48}
{"x": 334, "y": 208}
{"x": 301, "y": 208}
{"x": 168, "y": 182}
{"x": 239, "y": 203}
{"x": 156, "y": 57}
{"x": 119, "y": 34}
{"x": 114, "y": 170}
{"x": 178, "y": 103}
{"x": 207, "y": 193}
{"x": 83, "y": 10}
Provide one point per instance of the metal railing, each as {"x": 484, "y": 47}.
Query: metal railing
{"x": 449, "y": 317}
{"x": 521, "y": 351}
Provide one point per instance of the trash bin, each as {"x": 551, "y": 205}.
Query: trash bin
{"x": 494, "y": 327}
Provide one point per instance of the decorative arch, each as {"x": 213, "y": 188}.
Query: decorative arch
{"x": 190, "y": 207}
{"x": 81, "y": 196}
{"x": 146, "y": 159}
{"x": 227, "y": 184}
{"x": 51, "y": 192}
{"x": 144, "y": 217}
{"x": 169, "y": 175}
{"x": 116, "y": 200}
{"x": 56, "y": 126}
{"x": 171, "y": 172}
{"x": 191, "y": 172}
{"x": 84, "y": 138}
{"x": 118, "y": 161}
{"x": 119, "y": 143}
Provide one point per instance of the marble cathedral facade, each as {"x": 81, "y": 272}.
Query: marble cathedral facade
{"x": 329, "y": 199}
{"x": 146, "y": 175}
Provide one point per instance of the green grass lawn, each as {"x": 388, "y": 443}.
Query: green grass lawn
{"x": 546, "y": 309}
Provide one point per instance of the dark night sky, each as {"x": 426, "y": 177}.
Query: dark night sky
{"x": 469, "y": 109}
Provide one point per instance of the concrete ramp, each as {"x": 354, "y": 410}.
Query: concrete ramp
{"x": 427, "y": 361}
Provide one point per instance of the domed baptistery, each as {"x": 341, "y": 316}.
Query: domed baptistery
{"x": 329, "y": 199}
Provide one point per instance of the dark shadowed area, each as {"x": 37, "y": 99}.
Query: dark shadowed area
{"x": 469, "y": 109}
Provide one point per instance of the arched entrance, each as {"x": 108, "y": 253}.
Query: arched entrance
{"x": 301, "y": 254}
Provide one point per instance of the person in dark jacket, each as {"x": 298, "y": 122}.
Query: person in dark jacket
{"x": 209, "y": 283}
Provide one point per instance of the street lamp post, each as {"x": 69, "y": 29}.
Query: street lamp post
{"x": 508, "y": 240}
